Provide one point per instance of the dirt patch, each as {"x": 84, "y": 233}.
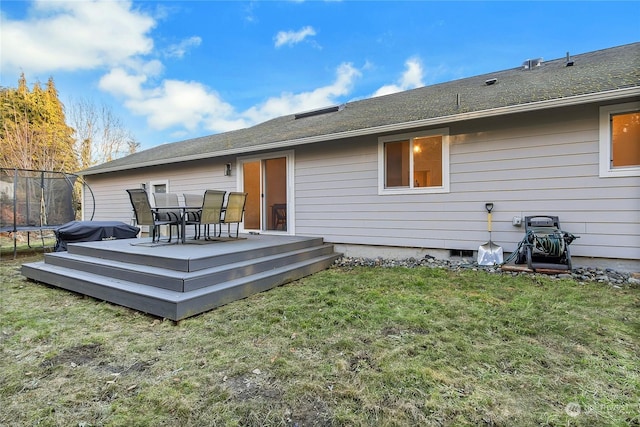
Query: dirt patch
{"x": 93, "y": 354}
{"x": 75, "y": 356}
{"x": 314, "y": 412}
{"x": 308, "y": 410}
{"x": 252, "y": 387}
{"x": 361, "y": 361}
{"x": 391, "y": 331}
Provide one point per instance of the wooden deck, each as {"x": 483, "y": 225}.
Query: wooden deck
{"x": 176, "y": 281}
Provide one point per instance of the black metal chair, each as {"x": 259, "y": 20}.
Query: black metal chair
{"x": 146, "y": 215}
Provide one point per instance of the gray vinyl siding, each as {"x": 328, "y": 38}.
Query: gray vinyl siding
{"x": 112, "y": 201}
{"x": 527, "y": 164}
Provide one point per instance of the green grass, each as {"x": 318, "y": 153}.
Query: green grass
{"x": 27, "y": 244}
{"x": 344, "y": 347}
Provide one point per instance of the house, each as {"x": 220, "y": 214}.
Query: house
{"x": 409, "y": 174}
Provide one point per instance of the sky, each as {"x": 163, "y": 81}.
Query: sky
{"x": 175, "y": 70}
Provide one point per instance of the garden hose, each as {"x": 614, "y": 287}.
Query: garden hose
{"x": 549, "y": 245}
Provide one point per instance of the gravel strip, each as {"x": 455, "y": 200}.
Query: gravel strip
{"x": 616, "y": 279}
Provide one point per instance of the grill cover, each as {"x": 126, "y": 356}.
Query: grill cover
{"x": 91, "y": 231}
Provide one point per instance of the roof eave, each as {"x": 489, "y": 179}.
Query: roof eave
{"x": 435, "y": 121}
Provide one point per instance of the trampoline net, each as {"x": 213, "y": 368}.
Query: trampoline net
{"x": 35, "y": 199}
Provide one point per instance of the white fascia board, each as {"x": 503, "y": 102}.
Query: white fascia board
{"x": 436, "y": 121}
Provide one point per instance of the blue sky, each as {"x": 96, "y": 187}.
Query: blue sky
{"x": 173, "y": 70}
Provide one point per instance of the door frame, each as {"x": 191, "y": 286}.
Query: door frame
{"x": 289, "y": 155}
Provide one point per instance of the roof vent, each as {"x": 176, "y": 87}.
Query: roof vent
{"x": 319, "y": 111}
{"x": 490, "y": 82}
{"x": 569, "y": 62}
{"x": 530, "y": 64}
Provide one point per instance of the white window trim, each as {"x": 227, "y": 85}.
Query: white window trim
{"x": 291, "y": 208}
{"x": 606, "y": 171}
{"x": 444, "y": 188}
{"x": 152, "y": 184}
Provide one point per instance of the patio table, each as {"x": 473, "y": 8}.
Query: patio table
{"x": 183, "y": 216}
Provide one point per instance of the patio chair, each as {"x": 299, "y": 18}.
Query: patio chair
{"x": 234, "y": 210}
{"x": 279, "y": 213}
{"x": 164, "y": 200}
{"x": 193, "y": 215}
{"x": 146, "y": 215}
{"x": 212, "y": 211}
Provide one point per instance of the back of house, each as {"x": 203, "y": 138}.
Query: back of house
{"x": 409, "y": 174}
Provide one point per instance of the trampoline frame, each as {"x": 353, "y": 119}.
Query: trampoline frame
{"x": 16, "y": 226}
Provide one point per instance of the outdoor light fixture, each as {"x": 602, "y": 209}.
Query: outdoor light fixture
{"x": 227, "y": 169}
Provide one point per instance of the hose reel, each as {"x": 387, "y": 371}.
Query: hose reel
{"x": 549, "y": 245}
{"x": 545, "y": 245}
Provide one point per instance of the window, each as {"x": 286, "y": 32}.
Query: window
{"x": 411, "y": 163}
{"x": 160, "y": 186}
{"x": 620, "y": 140}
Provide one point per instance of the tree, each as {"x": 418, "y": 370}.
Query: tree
{"x": 33, "y": 129}
{"x": 100, "y": 136}
{"x": 34, "y": 133}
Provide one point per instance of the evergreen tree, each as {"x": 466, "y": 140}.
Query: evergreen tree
{"x": 59, "y": 136}
{"x": 34, "y": 133}
{"x": 33, "y": 129}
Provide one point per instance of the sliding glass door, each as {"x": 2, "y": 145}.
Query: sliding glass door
{"x": 267, "y": 180}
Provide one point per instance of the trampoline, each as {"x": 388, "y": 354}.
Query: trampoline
{"x": 38, "y": 201}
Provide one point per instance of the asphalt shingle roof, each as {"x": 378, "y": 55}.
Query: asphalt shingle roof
{"x": 594, "y": 72}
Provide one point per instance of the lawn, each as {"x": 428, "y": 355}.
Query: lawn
{"x": 362, "y": 346}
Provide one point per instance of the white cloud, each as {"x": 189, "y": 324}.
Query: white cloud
{"x": 178, "y": 50}
{"x": 249, "y": 9}
{"x": 173, "y": 103}
{"x": 75, "y": 35}
{"x": 186, "y": 104}
{"x": 119, "y": 82}
{"x": 288, "y": 103}
{"x": 113, "y": 38}
{"x": 410, "y": 79}
{"x": 293, "y": 37}
{"x": 191, "y": 105}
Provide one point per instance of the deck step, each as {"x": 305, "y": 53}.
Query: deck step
{"x": 182, "y": 281}
{"x": 99, "y": 270}
{"x": 166, "y": 303}
{"x": 168, "y": 255}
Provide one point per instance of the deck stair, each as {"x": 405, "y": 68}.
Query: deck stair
{"x": 181, "y": 280}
